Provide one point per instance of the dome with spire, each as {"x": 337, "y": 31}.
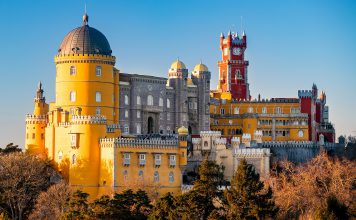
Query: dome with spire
{"x": 85, "y": 40}
{"x": 178, "y": 65}
{"x": 201, "y": 68}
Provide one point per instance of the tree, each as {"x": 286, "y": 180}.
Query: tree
{"x": 77, "y": 206}
{"x": 164, "y": 208}
{"x": 22, "y": 178}
{"x": 10, "y": 148}
{"x": 246, "y": 199}
{"x": 205, "y": 196}
{"x": 333, "y": 209}
{"x": 302, "y": 190}
{"x": 52, "y": 203}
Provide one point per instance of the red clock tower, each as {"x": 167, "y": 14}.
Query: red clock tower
{"x": 233, "y": 66}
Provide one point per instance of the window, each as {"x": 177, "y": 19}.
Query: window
{"x": 42, "y": 136}
{"x": 140, "y": 175}
{"x": 250, "y": 110}
{"x": 222, "y": 111}
{"x": 127, "y": 158}
{"x": 72, "y": 111}
{"x": 168, "y": 103}
{"x": 60, "y": 155}
{"x": 264, "y": 110}
{"x": 157, "y": 159}
{"x": 73, "y": 140}
{"x": 126, "y": 129}
{"x": 138, "y": 114}
{"x": 72, "y": 70}
{"x": 225, "y": 51}
{"x": 126, "y": 100}
{"x": 125, "y": 173}
{"x": 149, "y": 100}
{"x": 126, "y": 113}
{"x": 236, "y": 110}
{"x": 98, "y": 71}
{"x": 172, "y": 160}
{"x": 142, "y": 159}
{"x": 98, "y": 111}
{"x": 138, "y": 128}
{"x": 33, "y": 135}
{"x": 72, "y": 96}
{"x": 156, "y": 177}
{"x": 168, "y": 116}
{"x": 195, "y": 105}
{"x": 98, "y": 96}
{"x": 278, "y": 110}
{"x": 138, "y": 100}
{"x": 160, "y": 102}
{"x": 171, "y": 177}
{"x": 74, "y": 159}
{"x": 238, "y": 74}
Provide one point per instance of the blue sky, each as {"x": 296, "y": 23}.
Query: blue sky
{"x": 291, "y": 44}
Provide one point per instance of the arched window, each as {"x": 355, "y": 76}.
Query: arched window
{"x": 206, "y": 144}
{"x": 278, "y": 110}
{"x": 72, "y": 96}
{"x": 72, "y": 71}
{"x": 156, "y": 177}
{"x": 149, "y": 100}
{"x": 126, "y": 113}
{"x": 264, "y": 110}
{"x": 236, "y": 110}
{"x": 74, "y": 159}
{"x": 138, "y": 100}
{"x": 98, "y": 71}
{"x": 140, "y": 175}
{"x": 60, "y": 155}
{"x": 168, "y": 103}
{"x": 126, "y": 100}
{"x": 138, "y": 128}
{"x": 250, "y": 110}
{"x": 98, "y": 96}
{"x": 160, "y": 102}
{"x": 171, "y": 177}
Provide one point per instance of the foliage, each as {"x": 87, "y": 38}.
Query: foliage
{"x": 10, "y": 148}
{"x": 77, "y": 206}
{"x": 246, "y": 198}
{"x": 304, "y": 189}
{"x": 22, "y": 178}
{"x": 164, "y": 208}
{"x": 333, "y": 209}
{"x": 52, "y": 203}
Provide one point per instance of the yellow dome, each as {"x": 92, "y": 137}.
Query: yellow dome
{"x": 200, "y": 68}
{"x": 190, "y": 81}
{"x": 182, "y": 130}
{"x": 178, "y": 65}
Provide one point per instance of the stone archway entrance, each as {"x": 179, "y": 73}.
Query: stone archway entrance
{"x": 150, "y": 125}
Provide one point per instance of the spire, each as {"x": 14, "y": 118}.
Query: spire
{"x": 39, "y": 92}
{"x": 229, "y": 33}
{"x": 243, "y": 33}
{"x": 222, "y": 35}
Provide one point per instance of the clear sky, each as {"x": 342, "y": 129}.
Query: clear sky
{"x": 291, "y": 44}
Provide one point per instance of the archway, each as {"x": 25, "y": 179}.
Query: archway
{"x": 150, "y": 125}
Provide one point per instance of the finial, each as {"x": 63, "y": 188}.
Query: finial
{"x": 221, "y": 35}
{"x": 229, "y": 33}
{"x": 243, "y": 33}
{"x": 39, "y": 86}
{"x": 85, "y": 16}
{"x": 201, "y": 62}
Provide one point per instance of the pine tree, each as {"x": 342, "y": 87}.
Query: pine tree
{"x": 78, "y": 207}
{"x": 246, "y": 198}
{"x": 164, "y": 208}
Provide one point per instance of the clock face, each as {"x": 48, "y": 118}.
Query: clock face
{"x": 300, "y": 133}
{"x": 236, "y": 51}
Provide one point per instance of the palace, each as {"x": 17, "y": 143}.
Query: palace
{"x": 108, "y": 130}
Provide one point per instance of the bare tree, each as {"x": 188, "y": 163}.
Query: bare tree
{"x": 51, "y": 204}
{"x": 22, "y": 178}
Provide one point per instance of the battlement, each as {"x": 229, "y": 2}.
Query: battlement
{"x": 305, "y": 93}
{"x": 118, "y": 142}
{"x": 210, "y": 134}
{"x": 88, "y": 119}
{"x": 196, "y": 140}
{"x": 297, "y": 144}
{"x": 220, "y": 141}
{"x": 252, "y": 152}
{"x": 36, "y": 119}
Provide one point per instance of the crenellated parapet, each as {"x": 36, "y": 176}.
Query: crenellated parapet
{"x": 85, "y": 58}
{"x": 196, "y": 140}
{"x": 129, "y": 142}
{"x": 36, "y": 119}
{"x": 252, "y": 152}
{"x": 296, "y": 144}
{"x": 215, "y": 134}
{"x": 305, "y": 93}
{"x": 88, "y": 119}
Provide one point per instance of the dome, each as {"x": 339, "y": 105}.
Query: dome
{"x": 85, "y": 40}
{"x": 182, "y": 130}
{"x": 200, "y": 68}
{"x": 178, "y": 65}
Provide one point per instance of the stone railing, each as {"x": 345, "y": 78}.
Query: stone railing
{"x": 36, "y": 119}
{"x": 88, "y": 119}
{"x": 152, "y": 108}
{"x": 252, "y": 152}
{"x": 307, "y": 144}
{"x": 210, "y": 133}
{"x": 117, "y": 142}
{"x": 220, "y": 141}
{"x": 291, "y": 115}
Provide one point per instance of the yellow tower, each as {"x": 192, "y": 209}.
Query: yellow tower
{"x": 35, "y": 125}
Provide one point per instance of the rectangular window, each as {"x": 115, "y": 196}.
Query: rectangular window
{"x": 98, "y": 96}
{"x": 33, "y": 135}
{"x": 126, "y": 113}
{"x": 222, "y": 111}
{"x": 127, "y": 158}
{"x": 138, "y": 114}
{"x": 72, "y": 96}
{"x": 168, "y": 116}
{"x": 72, "y": 70}
{"x": 126, "y": 129}
{"x": 42, "y": 136}
{"x": 157, "y": 159}
{"x": 98, "y": 111}
{"x": 142, "y": 159}
{"x": 98, "y": 71}
{"x": 73, "y": 140}
{"x": 172, "y": 160}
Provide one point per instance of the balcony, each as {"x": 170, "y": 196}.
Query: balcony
{"x": 152, "y": 108}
